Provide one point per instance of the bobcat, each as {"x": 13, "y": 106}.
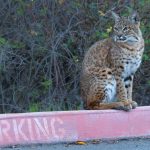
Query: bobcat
{"x": 109, "y": 66}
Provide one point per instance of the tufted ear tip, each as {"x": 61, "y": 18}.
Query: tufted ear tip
{"x": 134, "y": 18}
{"x": 115, "y": 16}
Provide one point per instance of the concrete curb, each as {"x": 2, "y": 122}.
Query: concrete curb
{"x": 52, "y": 127}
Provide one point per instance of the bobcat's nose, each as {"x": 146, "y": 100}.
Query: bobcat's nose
{"x": 121, "y": 37}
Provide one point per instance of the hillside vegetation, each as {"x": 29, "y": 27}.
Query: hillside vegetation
{"x": 42, "y": 45}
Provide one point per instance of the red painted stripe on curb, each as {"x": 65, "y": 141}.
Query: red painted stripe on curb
{"x": 50, "y": 127}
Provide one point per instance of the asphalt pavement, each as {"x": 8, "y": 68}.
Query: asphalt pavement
{"x": 128, "y": 144}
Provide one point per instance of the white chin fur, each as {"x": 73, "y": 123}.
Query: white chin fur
{"x": 132, "y": 39}
{"x": 128, "y": 40}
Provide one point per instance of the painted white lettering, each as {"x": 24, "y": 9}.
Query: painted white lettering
{"x": 30, "y": 129}
{"x": 5, "y": 130}
{"x": 18, "y": 129}
{"x": 42, "y": 128}
{"x": 60, "y": 133}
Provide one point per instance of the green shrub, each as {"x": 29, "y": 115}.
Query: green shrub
{"x": 42, "y": 45}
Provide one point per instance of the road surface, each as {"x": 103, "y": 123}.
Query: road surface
{"x": 130, "y": 144}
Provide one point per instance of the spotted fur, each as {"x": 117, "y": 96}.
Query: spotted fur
{"x": 109, "y": 66}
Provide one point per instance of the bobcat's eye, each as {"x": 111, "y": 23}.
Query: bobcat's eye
{"x": 125, "y": 29}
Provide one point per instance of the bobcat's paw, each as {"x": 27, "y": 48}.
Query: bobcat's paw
{"x": 125, "y": 105}
{"x": 134, "y": 104}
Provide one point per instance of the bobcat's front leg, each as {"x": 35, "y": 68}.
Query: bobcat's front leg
{"x": 129, "y": 86}
{"x": 122, "y": 92}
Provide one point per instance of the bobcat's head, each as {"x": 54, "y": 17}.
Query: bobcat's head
{"x": 127, "y": 29}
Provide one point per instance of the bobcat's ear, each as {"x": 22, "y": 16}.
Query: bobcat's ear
{"x": 134, "y": 18}
{"x": 115, "y": 16}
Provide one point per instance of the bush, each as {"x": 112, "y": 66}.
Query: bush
{"x": 42, "y": 45}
